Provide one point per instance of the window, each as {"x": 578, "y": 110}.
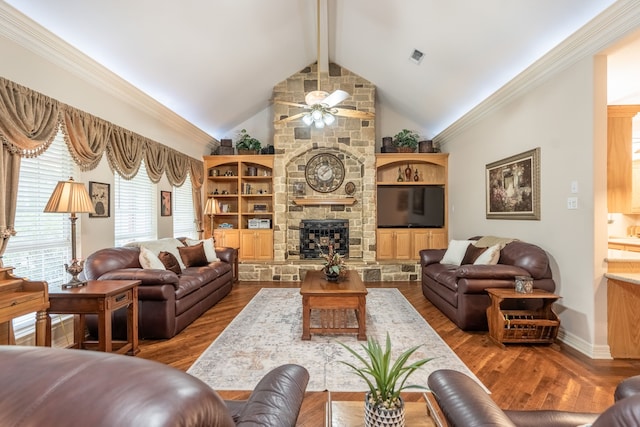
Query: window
{"x": 135, "y": 208}
{"x": 42, "y": 244}
{"x": 183, "y": 219}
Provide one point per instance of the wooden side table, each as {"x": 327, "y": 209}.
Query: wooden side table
{"x": 101, "y": 297}
{"x": 522, "y": 326}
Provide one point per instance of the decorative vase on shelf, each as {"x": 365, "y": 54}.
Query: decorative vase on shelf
{"x": 407, "y": 173}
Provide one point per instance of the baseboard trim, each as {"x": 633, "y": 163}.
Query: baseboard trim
{"x": 584, "y": 347}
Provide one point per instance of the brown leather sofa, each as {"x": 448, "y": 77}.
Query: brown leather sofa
{"x": 44, "y": 386}
{"x": 168, "y": 302}
{"x": 465, "y": 404}
{"x": 459, "y": 291}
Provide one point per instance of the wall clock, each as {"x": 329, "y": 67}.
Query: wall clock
{"x": 324, "y": 172}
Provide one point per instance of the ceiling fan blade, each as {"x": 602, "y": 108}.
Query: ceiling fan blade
{"x": 335, "y": 98}
{"x": 344, "y": 112}
{"x": 290, "y": 118}
{"x": 293, "y": 104}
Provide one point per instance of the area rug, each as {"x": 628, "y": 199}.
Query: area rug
{"x": 267, "y": 334}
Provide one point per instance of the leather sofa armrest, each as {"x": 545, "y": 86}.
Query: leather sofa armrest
{"x": 463, "y": 402}
{"x": 277, "y": 398}
{"x": 227, "y": 255}
{"x": 147, "y": 277}
{"x": 536, "y": 418}
{"x": 628, "y": 387}
{"x": 431, "y": 256}
{"x": 496, "y": 272}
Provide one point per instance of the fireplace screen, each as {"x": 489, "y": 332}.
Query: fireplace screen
{"x": 317, "y": 234}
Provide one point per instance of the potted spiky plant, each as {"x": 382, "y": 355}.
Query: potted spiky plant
{"x": 385, "y": 379}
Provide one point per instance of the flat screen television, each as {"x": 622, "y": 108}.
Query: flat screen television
{"x": 410, "y": 206}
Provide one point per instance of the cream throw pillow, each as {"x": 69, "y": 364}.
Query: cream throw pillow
{"x": 489, "y": 257}
{"x": 209, "y": 249}
{"x": 455, "y": 252}
{"x": 149, "y": 260}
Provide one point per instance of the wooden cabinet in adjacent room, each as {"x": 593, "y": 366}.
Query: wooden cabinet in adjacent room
{"x": 623, "y": 172}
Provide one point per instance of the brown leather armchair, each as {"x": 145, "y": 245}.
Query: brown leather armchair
{"x": 465, "y": 404}
{"x": 44, "y": 386}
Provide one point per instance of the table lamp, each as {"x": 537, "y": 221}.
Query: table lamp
{"x": 71, "y": 197}
{"x": 211, "y": 208}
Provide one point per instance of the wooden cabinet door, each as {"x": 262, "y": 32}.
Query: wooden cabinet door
{"x": 227, "y": 238}
{"x": 403, "y": 246}
{"x": 439, "y": 239}
{"x": 256, "y": 244}
{"x": 385, "y": 244}
{"x": 247, "y": 245}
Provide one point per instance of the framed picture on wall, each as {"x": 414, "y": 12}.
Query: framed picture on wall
{"x": 165, "y": 203}
{"x": 100, "y": 199}
{"x": 513, "y": 187}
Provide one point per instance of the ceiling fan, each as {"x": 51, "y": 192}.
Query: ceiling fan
{"x": 320, "y": 105}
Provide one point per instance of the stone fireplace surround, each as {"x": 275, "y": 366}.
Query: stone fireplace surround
{"x": 353, "y": 142}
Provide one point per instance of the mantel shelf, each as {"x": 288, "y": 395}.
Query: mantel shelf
{"x": 317, "y": 201}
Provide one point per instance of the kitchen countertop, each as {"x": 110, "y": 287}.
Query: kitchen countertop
{"x": 625, "y": 240}
{"x": 633, "y": 278}
{"x": 614, "y": 255}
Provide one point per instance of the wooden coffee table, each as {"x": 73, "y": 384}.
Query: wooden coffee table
{"x": 347, "y": 294}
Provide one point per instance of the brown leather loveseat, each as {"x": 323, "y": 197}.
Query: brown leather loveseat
{"x": 168, "y": 302}
{"x": 459, "y": 290}
{"x": 465, "y": 404}
{"x": 54, "y": 387}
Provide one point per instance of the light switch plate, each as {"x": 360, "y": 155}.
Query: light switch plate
{"x": 572, "y": 203}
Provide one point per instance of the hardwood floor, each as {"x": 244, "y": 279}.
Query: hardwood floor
{"x": 519, "y": 376}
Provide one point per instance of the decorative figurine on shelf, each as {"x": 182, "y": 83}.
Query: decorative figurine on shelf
{"x": 400, "y": 178}
{"x": 407, "y": 173}
{"x": 215, "y": 192}
{"x": 416, "y": 177}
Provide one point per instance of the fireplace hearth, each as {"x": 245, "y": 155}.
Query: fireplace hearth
{"x": 317, "y": 234}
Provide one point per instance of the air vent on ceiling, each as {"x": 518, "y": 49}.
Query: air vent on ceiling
{"x": 416, "y": 56}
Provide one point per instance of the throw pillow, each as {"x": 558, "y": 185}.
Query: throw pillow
{"x": 455, "y": 252}
{"x": 209, "y": 248}
{"x": 473, "y": 252}
{"x": 149, "y": 260}
{"x": 193, "y": 256}
{"x": 489, "y": 257}
{"x": 170, "y": 262}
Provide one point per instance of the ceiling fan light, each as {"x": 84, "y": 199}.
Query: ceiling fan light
{"x": 328, "y": 119}
{"x": 315, "y": 97}
{"x": 319, "y": 124}
{"x": 317, "y": 115}
{"x": 307, "y": 119}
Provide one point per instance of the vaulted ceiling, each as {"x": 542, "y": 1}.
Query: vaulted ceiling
{"x": 215, "y": 62}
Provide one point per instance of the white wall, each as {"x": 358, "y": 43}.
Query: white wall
{"x": 559, "y": 117}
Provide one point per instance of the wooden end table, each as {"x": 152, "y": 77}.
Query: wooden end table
{"x": 101, "y": 297}
{"x": 522, "y": 326}
{"x": 348, "y": 293}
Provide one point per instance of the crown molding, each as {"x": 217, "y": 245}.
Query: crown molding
{"x": 611, "y": 25}
{"x": 28, "y": 34}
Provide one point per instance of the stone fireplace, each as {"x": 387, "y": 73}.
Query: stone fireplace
{"x": 317, "y": 234}
{"x": 352, "y": 141}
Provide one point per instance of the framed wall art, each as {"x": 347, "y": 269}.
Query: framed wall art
{"x": 165, "y": 203}
{"x": 513, "y": 187}
{"x": 100, "y": 199}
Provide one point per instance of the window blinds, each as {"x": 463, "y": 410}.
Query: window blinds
{"x": 135, "y": 208}
{"x": 183, "y": 220}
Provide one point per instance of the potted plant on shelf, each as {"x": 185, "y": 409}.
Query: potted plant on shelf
{"x": 334, "y": 265}
{"x": 247, "y": 144}
{"x": 385, "y": 379}
{"x": 406, "y": 141}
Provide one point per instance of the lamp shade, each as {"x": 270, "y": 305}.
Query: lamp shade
{"x": 211, "y": 208}
{"x": 69, "y": 197}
